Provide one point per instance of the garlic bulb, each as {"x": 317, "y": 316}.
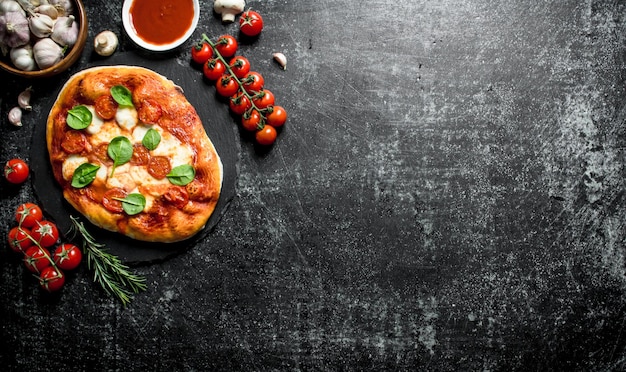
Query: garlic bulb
{"x": 15, "y": 116}
{"x": 64, "y": 7}
{"x": 14, "y": 30}
{"x": 22, "y": 58}
{"x": 65, "y": 31}
{"x": 47, "y": 9}
{"x": 41, "y": 25}
{"x": 105, "y": 43}
{"x": 47, "y": 53}
{"x": 23, "y": 99}
{"x": 7, "y": 6}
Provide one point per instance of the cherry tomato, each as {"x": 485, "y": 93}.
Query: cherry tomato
{"x": 16, "y": 171}
{"x": 253, "y": 82}
{"x": 226, "y": 45}
{"x": 19, "y": 239}
{"x": 226, "y": 86}
{"x": 276, "y": 116}
{"x": 239, "y": 103}
{"x": 266, "y": 136}
{"x": 28, "y": 214}
{"x": 251, "y": 120}
{"x": 201, "y": 52}
{"x": 45, "y": 233}
{"x": 51, "y": 279}
{"x": 36, "y": 259}
{"x": 106, "y": 106}
{"x": 250, "y": 23}
{"x": 240, "y": 66}
{"x": 264, "y": 98}
{"x": 67, "y": 256}
{"x": 213, "y": 69}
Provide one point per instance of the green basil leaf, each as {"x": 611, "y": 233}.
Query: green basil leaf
{"x": 133, "y": 203}
{"x": 151, "y": 139}
{"x": 79, "y": 117}
{"x": 122, "y": 95}
{"x": 181, "y": 175}
{"x": 120, "y": 149}
{"x": 84, "y": 175}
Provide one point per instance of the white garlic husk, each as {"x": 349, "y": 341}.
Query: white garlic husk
{"x": 15, "y": 116}
{"x": 22, "y": 58}
{"x": 47, "y": 53}
{"x": 280, "y": 59}
{"x": 40, "y": 25}
{"x": 23, "y": 99}
{"x": 27, "y": 5}
{"x": 65, "y": 31}
{"x": 7, "y": 6}
{"x": 47, "y": 9}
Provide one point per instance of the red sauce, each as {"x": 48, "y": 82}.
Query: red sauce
{"x": 161, "y": 22}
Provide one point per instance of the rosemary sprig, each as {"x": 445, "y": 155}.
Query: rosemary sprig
{"x": 108, "y": 271}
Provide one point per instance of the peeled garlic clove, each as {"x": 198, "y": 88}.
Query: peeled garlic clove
{"x": 15, "y": 116}
{"x": 23, "y": 99}
{"x": 281, "y": 59}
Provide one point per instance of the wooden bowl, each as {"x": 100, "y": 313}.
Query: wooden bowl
{"x": 72, "y": 56}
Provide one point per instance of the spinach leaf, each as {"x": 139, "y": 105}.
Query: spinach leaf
{"x": 120, "y": 149}
{"x": 122, "y": 95}
{"x": 79, "y": 117}
{"x": 84, "y": 175}
{"x": 133, "y": 203}
{"x": 181, "y": 175}
{"x": 151, "y": 139}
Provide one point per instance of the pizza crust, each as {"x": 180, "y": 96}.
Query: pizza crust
{"x": 164, "y": 219}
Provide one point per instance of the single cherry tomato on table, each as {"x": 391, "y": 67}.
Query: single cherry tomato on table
{"x": 253, "y": 82}
{"x": 240, "y": 66}
{"x": 276, "y": 116}
{"x": 45, "y": 233}
{"x": 28, "y": 214}
{"x": 67, "y": 256}
{"x": 250, "y": 23}
{"x": 266, "y": 136}
{"x": 226, "y": 45}
{"x": 201, "y": 52}
{"x": 36, "y": 259}
{"x": 226, "y": 86}
{"x": 213, "y": 69}
{"x": 16, "y": 171}
{"x": 51, "y": 279}
{"x": 19, "y": 239}
{"x": 263, "y": 98}
{"x": 239, "y": 103}
{"x": 250, "y": 120}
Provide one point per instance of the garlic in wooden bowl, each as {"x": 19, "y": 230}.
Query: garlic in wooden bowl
{"x": 61, "y": 26}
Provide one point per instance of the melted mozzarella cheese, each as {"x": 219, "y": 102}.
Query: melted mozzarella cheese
{"x": 126, "y": 117}
{"x": 172, "y": 148}
{"x": 96, "y": 121}
{"x": 70, "y": 164}
{"x": 122, "y": 178}
{"x": 139, "y": 132}
{"x": 101, "y": 175}
{"x": 108, "y": 131}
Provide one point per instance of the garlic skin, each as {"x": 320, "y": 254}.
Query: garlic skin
{"x": 7, "y": 6}
{"x": 47, "y": 53}
{"x": 41, "y": 25}
{"x": 14, "y": 31}
{"x": 23, "y": 99}
{"x": 105, "y": 43}
{"x": 65, "y": 31}
{"x": 22, "y": 58}
{"x": 280, "y": 59}
{"x": 15, "y": 116}
{"x": 64, "y": 7}
{"x": 228, "y": 9}
{"x": 48, "y": 10}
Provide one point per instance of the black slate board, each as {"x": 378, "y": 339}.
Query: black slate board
{"x": 217, "y": 123}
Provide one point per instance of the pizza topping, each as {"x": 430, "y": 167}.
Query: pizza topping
{"x": 159, "y": 167}
{"x": 149, "y": 112}
{"x": 182, "y": 175}
{"x": 70, "y": 164}
{"x": 120, "y": 150}
{"x": 133, "y": 203}
{"x": 177, "y": 195}
{"x": 111, "y": 200}
{"x": 126, "y": 117}
{"x": 141, "y": 155}
{"x": 100, "y": 153}
{"x": 79, "y": 117}
{"x": 106, "y": 107}
{"x": 151, "y": 139}
{"x": 84, "y": 175}
{"x": 73, "y": 142}
{"x": 96, "y": 121}
{"x": 122, "y": 95}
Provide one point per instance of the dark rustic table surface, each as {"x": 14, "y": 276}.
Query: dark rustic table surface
{"x": 448, "y": 194}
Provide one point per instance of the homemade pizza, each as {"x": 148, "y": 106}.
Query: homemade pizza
{"x": 131, "y": 154}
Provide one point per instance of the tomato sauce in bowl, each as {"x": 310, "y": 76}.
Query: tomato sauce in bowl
{"x": 160, "y": 25}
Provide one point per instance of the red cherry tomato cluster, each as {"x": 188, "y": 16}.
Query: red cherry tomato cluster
{"x": 245, "y": 89}
{"x": 35, "y": 237}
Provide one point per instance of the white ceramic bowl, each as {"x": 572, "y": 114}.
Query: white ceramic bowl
{"x": 131, "y": 32}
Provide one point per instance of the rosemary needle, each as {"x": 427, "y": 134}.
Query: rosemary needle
{"x": 108, "y": 271}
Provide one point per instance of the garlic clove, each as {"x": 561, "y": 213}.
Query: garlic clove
{"x": 23, "y": 99}
{"x": 280, "y": 59}
{"x": 15, "y": 116}
{"x": 105, "y": 43}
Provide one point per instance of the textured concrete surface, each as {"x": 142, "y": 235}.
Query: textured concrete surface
{"x": 448, "y": 194}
